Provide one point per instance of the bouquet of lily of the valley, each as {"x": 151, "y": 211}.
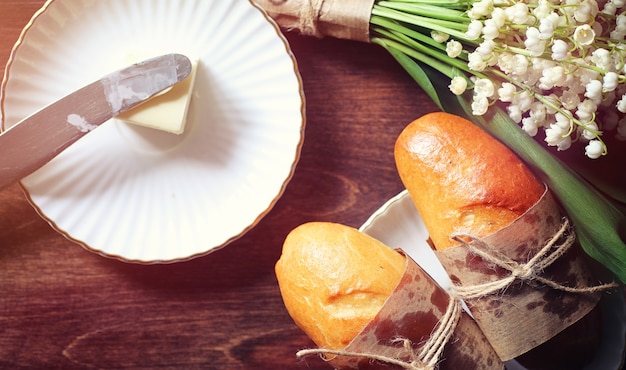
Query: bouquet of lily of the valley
{"x": 556, "y": 65}
{"x": 543, "y": 76}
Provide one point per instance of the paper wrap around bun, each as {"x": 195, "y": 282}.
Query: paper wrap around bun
{"x": 411, "y": 315}
{"x": 525, "y": 311}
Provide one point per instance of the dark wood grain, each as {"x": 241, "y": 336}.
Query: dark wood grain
{"x": 62, "y": 306}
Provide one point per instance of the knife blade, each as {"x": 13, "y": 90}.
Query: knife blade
{"x": 37, "y": 139}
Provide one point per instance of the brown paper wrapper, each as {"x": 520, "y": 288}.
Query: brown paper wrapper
{"x": 411, "y": 313}
{"x": 344, "y": 19}
{"x": 526, "y": 313}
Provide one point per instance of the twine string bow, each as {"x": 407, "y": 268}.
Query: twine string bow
{"x": 428, "y": 356}
{"x": 526, "y": 272}
{"x": 310, "y": 12}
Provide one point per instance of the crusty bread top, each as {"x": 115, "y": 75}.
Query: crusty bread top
{"x": 461, "y": 179}
{"x": 334, "y": 280}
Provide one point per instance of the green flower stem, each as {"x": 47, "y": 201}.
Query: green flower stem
{"x": 444, "y": 68}
{"x": 385, "y": 24}
{"x": 441, "y": 3}
{"x": 428, "y": 10}
{"x": 459, "y": 5}
{"x": 454, "y": 29}
{"x": 415, "y": 42}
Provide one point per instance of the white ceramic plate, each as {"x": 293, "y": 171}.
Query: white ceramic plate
{"x": 144, "y": 195}
{"x": 398, "y": 224}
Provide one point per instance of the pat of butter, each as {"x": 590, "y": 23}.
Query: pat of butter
{"x": 166, "y": 111}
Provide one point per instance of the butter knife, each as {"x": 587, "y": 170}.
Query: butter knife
{"x": 37, "y": 139}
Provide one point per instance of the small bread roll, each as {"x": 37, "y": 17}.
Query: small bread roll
{"x": 335, "y": 279}
{"x": 461, "y": 179}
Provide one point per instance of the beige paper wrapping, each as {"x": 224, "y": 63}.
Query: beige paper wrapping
{"x": 411, "y": 313}
{"x": 344, "y": 19}
{"x": 526, "y": 314}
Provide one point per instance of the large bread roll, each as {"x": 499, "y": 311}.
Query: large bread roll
{"x": 334, "y": 280}
{"x": 461, "y": 179}
{"x": 464, "y": 181}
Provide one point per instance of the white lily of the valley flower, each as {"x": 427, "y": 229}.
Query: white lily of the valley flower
{"x": 602, "y": 59}
{"x": 609, "y": 8}
{"x": 586, "y": 11}
{"x": 547, "y": 26}
{"x": 594, "y": 91}
{"x": 560, "y": 50}
{"x": 474, "y": 30}
{"x": 476, "y": 62}
{"x": 490, "y": 30}
{"x": 610, "y": 81}
{"x": 458, "y": 85}
{"x": 556, "y": 136}
{"x": 515, "y": 113}
{"x": 518, "y": 13}
{"x": 481, "y": 8}
{"x": 484, "y": 87}
{"x": 620, "y": 23}
{"x": 584, "y": 35}
{"x": 529, "y": 125}
{"x": 485, "y": 49}
{"x": 534, "y": 44}
{"x": 440, "y": 37}
{"x": 590, "y": 131}
{"x": 454, "y": 48}
{"x": 480, "y": 105}
{"x": 621, "y": 104}
{"x": 538, "y": 113}
{"x": 543, "y": 8}
{"x": 570, "y": 99}
{"x": 594, "y": 149}
{"x": 506, "y": 92}
{"x": 586, "y": 110}
{"x": 564, "y": 121}
{"x": 523, "y": 100}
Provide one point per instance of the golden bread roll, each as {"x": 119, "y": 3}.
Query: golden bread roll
{"x": 335, "y": 279}
{"x": 461, "y": 179}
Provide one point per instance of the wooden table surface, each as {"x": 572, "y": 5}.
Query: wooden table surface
{"x": 65, "y": 307}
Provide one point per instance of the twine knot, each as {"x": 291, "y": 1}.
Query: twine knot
{"x": 524, "y": 272}
{"x": 309, "y": 15}
{"x": 529, "y": 271}
{"x": 430, "y": 353}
